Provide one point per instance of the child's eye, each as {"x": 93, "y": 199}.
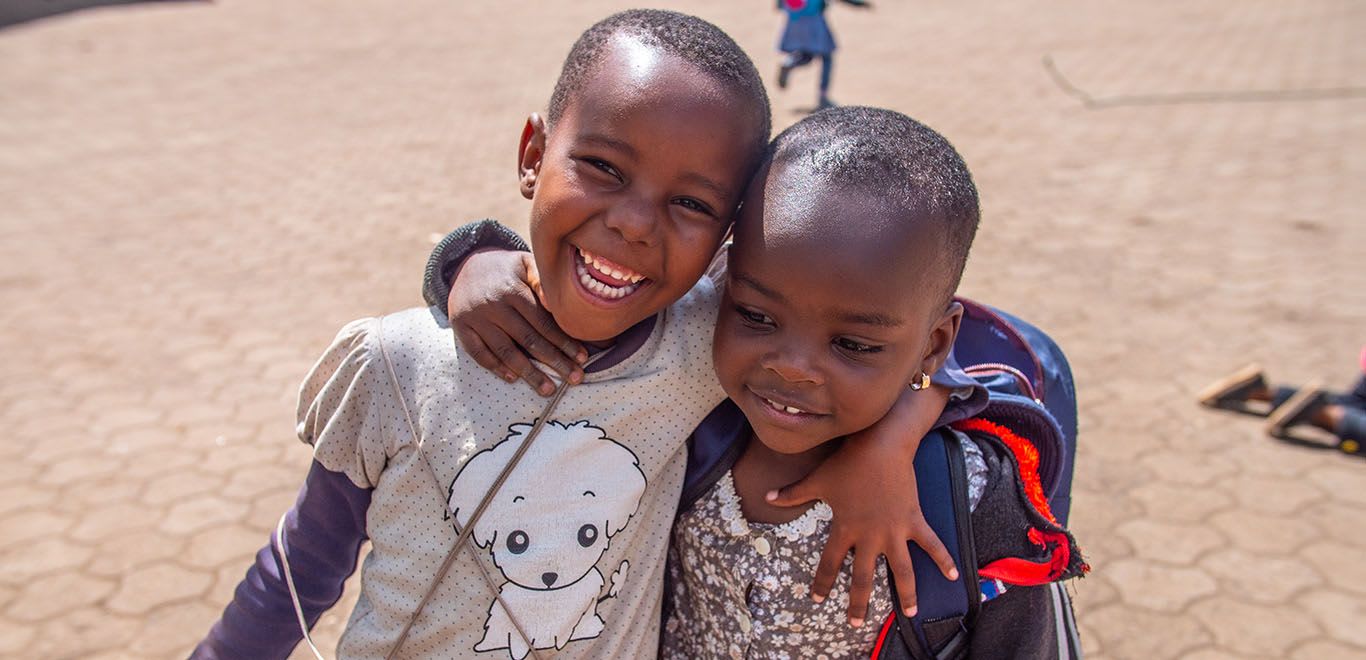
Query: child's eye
{"x": 856, "y": 346}
{"x": 602, "y": 166}
{"x": 753, "y": 318}
{"x": 694, "y": 205}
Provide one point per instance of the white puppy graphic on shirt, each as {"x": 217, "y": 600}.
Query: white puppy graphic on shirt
{"x": 546, "y": 528}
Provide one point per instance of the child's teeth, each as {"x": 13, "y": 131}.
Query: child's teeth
{"x": 614, "y": 273}
{"x": 787, "y": 409}
{"x": 603, "y": 289}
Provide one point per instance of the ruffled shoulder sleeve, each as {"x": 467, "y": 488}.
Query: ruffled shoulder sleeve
{"x": 348, "y": 406}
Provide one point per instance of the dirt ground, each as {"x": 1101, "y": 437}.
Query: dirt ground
{"x": 195, "y": 196}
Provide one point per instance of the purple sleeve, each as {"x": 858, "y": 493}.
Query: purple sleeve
{"x": 323, "y": 534}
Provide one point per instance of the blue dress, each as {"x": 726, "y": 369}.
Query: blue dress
{"x": 806, "y": 31}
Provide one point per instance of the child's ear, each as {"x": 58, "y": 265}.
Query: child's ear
{"x": 529, "y": 153}
{"x": 942, "y": 336}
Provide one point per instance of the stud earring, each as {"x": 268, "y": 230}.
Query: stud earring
{"x": 924, "y": 382}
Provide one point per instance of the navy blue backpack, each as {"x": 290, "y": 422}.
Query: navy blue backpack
{"x": 1031, "y": 393}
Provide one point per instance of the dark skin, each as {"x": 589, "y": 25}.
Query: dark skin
{"x": 818, "y": 339}
{"x": 643, "y": 171}
{"x": 1326, "y": 417}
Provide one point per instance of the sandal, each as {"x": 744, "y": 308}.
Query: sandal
{"x": 1232, "y": 391}
{"x": 1298, "y": 410}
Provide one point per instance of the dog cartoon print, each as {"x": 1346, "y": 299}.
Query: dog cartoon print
{"x": 546, "y": 528}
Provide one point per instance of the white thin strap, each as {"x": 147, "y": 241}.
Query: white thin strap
{"x": 293, "y": 592}
{"x": 1059, "y": 628}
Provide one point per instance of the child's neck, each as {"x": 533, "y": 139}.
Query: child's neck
{"x": 625, "y": 343}
{"x": 761, "y": 469}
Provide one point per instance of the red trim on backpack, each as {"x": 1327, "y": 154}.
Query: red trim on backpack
{"x": 1013, "y": 570}
{"x": 882, "y": 636}
{"x": 1026, "y": 454}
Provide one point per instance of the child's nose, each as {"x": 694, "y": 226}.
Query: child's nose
{"x": 636, "y": 221}
{"x": 793, "y": 366}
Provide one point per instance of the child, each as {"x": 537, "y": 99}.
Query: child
{"x": 812, "y": 342}
{"x": 814, "y": 339}
{"x": 806, "y": 37}
{"x": 656, "y": 124}
{"x": 1343, "y": 415}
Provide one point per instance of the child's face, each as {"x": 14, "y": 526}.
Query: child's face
{"x": 633, "y": 188}
{"x": 828, "y": 313}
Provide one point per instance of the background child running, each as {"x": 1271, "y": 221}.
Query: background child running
{"x": 814, "y": 339}
{"x": 807, "y": 36}
{"x": 655, "y": 126}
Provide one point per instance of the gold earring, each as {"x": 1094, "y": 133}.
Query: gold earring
{"x": 924, "y": 382}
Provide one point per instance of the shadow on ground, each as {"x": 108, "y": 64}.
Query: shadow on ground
{"x": 14, "y": 12}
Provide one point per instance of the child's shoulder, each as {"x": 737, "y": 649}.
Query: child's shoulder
{"x": 377, "y": 339}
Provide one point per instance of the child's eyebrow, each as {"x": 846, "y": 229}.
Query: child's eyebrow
{"x": 610, "y": 143}
{"x": 868, "y": 318}
{"x": 698, "y": 179}
{"x": 754, "y": 284}
{"x": 845, "y": 315}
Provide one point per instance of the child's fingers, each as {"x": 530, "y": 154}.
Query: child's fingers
{"x": 861, "y": 586}
{"x": 533, "y": 341}
{"x": 544, "y": 340}
{"x": 928, "y": 541}
{"x": 795, "y": 494}
{"x": 510, "y": 355}
{"x": 832, "y": 559}
{"x": 475, "y": 347}
{"x": 899, "y": 563}
{"x": 545, "y": 324}
{"x": 522, "y": 366}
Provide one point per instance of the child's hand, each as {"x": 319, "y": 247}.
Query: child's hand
{"x": 870, "y": 487}
{"x": 497, "y": 320}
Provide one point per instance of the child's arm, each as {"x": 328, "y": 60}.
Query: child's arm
{"x": 493, "y": 309}
{"x": 870, "y": 487}
{"x": 323, "y": 533}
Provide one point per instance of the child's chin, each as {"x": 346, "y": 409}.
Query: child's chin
{"x": 786, "y": 442}
{"x": 592, "y": 332}
{"x": 586, "y": 325}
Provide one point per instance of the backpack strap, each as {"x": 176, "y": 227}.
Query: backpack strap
{"x": 945, "y": 609}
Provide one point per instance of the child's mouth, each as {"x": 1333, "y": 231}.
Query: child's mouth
{"x": 782, "y": 411}
{"x": 605, "y": 279}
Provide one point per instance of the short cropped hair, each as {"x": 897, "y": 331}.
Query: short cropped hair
{"x": 898, "y": 161}
{"x": 689, "y": 38}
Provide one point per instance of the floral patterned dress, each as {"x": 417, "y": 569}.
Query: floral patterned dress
{"x": 742, "y": 589}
